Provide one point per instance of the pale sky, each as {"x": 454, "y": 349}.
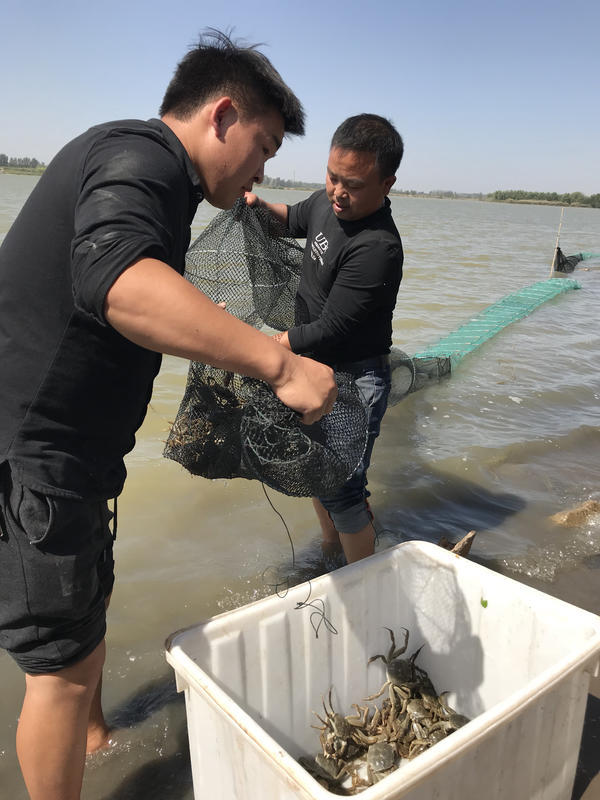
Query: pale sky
{"x": 487, "y": 95}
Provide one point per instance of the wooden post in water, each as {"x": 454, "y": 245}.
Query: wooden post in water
{"x": 555, "y": 259}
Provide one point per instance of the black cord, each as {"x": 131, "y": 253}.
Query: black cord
{"x": 287, "y": 530}
{"x": 318, "y": 605}
{"x": 318, "y": 611}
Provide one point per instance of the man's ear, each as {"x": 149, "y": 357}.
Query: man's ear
{"x": 222, "y": 115}
{"x": 388, "y": 183}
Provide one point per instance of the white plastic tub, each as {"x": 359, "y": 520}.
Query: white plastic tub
{"x": 518, "y": 662}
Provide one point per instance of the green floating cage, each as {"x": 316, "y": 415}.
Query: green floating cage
{"x": 412, "y": 373}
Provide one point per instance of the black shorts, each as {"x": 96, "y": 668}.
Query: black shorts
{"x": 56, "y": 571}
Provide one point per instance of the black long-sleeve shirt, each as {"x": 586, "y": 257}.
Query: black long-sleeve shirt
{"x": 73, "y": 391}
{"x": 350, "y": 278}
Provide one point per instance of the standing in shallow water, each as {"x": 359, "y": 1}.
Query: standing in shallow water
{"x": 91, "y": 293}
{"x": 350, "y": 278}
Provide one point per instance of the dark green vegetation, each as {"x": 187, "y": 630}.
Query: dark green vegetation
{"x": 283, "y": 183}
{"x": 500, "y": 196}
{"x": 21, "y": 166}
{"x": 571, "y": 199}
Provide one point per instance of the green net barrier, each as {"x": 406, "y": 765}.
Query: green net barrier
{"x": 410, "y": 374}
{"x": 494, "y": 318}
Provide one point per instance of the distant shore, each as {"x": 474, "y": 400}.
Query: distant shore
{"x": 490, "y": 199}
{"x": 22, "y": 170}
{"x": 517, "y": 196}
{"x": 572, "y": 199}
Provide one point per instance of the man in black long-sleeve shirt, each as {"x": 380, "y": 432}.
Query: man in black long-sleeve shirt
{"x": 350, "y": 278}
{"x": 91, "y": 292}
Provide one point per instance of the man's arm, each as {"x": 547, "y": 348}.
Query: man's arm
{"x": 155, "y": 307}
{"x": 365, "y": 278}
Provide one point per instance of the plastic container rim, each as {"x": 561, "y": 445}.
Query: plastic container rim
{"x": 411, "y": 773}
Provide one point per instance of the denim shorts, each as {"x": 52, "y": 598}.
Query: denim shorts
{"x": 348, "y": 507}
{"x": 56, "y": 572}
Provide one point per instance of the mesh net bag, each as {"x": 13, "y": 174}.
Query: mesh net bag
{"x": 245, "y": 259}
{"x": 230, "y": 426}
{"x": 563, "y": 263}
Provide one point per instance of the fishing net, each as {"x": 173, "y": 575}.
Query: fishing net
{"x": 245, "y": 259}
{"x": 563, "y": 263}
{"x": 229, "y": 426}
{"x": 440, "y": 358}
{"x": 232, "y": 426}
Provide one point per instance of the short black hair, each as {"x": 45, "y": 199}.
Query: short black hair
{"x": 217, "y": 66}
{"x": 370, "y": 133}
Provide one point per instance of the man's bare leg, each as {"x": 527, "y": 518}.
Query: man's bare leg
{"x": 51, "y": 735}
{"x": 329, "y": 534}
{"x": 355, "y": 545}
{"x": 98, "y": 732}
{"x": 330, "y": 539}
{"x": 359, "y": 545}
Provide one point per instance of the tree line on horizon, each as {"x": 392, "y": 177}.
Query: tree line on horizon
{"x": 500, "y": 195}
{"x": 20, "y": 163}
{"x": 284, "y": 183}
{"x": 568, "y": 199}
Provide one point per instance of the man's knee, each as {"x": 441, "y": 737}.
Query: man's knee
{"x": 352, "y": 519}
{"x": 77, "y": 681}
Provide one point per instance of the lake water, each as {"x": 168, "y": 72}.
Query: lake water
{"x": 511, "y": 438}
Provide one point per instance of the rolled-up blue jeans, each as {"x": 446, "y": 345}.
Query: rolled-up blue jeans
{"x": 348, "y": 506}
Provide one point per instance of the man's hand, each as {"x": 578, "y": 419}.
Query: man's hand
{"x": 252, "y": 199}
{"x": 278, "y": 210}
{"x": 283, "y": 339}
{"x": 155, "y": 307}
{"x": 308, "y": 388}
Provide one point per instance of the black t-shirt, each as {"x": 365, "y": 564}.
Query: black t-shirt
{"x": 350, "y": 278}
{"x": 73, "y": 391}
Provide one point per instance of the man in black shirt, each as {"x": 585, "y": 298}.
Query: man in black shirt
{"x": 91, "y": 293}
{"x": 350, "y": 278}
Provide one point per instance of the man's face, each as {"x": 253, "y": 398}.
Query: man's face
{"x": 354, "y": 185}
{"x": 245, "y": 145}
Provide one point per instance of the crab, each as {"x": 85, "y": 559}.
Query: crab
{"x": 381, "y": 761}
{"x": 417, "y": 747}
{"x": 449, "y": 714}
{"x": 337, "y": 731}
{"x": 367, "y": 731}
{"x": 401, "y": 673}
{"x": 328, "y": 772}
{"x": 381, "y": 757}
{"x": 333, "y": 768}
